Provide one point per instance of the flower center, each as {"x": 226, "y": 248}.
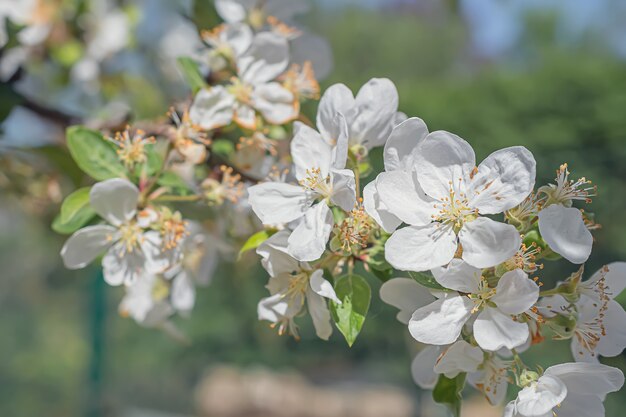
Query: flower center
{"x": 454, "y": 210}
{"x": 317, "y": 183}
{"x": 482, "y": 296}
{"x": 241, "y": 91}
{"x": 131, "y": 236}
{"x": 566, "y": 190}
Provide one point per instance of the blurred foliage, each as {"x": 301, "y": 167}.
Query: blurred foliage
{"x": 564, "y": 104}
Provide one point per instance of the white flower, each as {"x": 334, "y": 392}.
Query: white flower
{"x": 444, "y": 199}
{"x": 599, "y": 329}
{"x": 228, "y": 43}
{"x": 398, "y": 155}
{"x": 406, "y": 295}
{"x": 441, "y": 322}
{"x": 291, "y": 285}
{"x": 252, "y": 90}
{"x": 146, "y": 301}
{"x": 491, "y": 378}
{"x": 256, "y": 12}
{"x": 131, "y": 250}
{"x": 370, "y": 116}
{"x": 567, "y": 390}
{"x": 323, "y": 181}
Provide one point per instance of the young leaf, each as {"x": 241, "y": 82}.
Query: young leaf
{"x": 355, "y": 295}
{"x": 448, "y": 392}
{"x": 174, "y": 183}
{"x": 75, "y": 212}
{"x": 427, "y": 280}
{"x": 93, "y": 154}
{"x": 191, "y": 73}
{"x": 255, "y": 240}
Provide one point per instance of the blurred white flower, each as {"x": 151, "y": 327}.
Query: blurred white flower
{"x": 131, "y": 250}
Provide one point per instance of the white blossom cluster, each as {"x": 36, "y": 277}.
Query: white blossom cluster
{"x": 458, "y": 244}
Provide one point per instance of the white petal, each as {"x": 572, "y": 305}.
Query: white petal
{"x": 504, "y": 179}
{"x": 375, "y": 207}
{"x": 581, "y": 405}
{"x": 275, "y": 102}
{"x": 419, "y": 248}
{"x": 244, "y": 116}
{"x": 308, "y": 240}
{"x": 340, "y": 142}
{"x": 540, "y": 400}
{"x": 460, "y": 357}
{"x": 422, "y": 367}
{"x": 310, "y": 151}
{"x": 119, "y": 268}
{"x": 614, "y": 275}
{"x": 494, "y": 330}
{"x": 212, "y": 108}
{"x": 377, "y": 104}
{"x": 401, "y": 193}
{"x": 183, "y": 292}
{"x": 266, "y": 59}
{"x": 322, "y": 287}
{"x": 406, "y": 295}
{"x": 442, "y": 158}
{"x": 277, "y": 202}
{"x": 487, "y": 243}
{"x": 157, "y": 260}
{"x": 344, "y": 189}
{"x": 441, "y": 322}
{"x": 315, "y": 49}
{"x": 588, "y": 378}
{"x": 86, "y": 244}
{"x": 319, "y": 314}
{"x": 336, "y": 99}
{"x": 614, "y": 342}
{"x": 458, "y": 276}
{"x": 232, "y": 10}
{"x": 565, "y": 232}
{"x": 239, "y": 36}
{"x": 515, "y": 293}
{"x": 114, "y": 200}
{"x": 402, "y": 144}
{"x": 267, "y": 307}
{"x": 275, "y": 256}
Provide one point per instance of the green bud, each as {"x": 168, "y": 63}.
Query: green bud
{"x": 528, "y": 377}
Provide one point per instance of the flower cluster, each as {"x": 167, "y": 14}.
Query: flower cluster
{"x": 458, "y": 245}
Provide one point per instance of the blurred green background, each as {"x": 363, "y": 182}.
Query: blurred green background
{"x": 65, "y": 351}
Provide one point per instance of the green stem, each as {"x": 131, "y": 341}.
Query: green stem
{"x": 177, "y": 198}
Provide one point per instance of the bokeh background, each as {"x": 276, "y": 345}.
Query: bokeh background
{"x": 546, "y": 74}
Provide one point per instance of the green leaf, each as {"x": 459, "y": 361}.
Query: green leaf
{"x": 377, "y": 263}
{"x": 192, "y": 74}
{"x": 255, "y": 240}
{"x": 355, "y": 295}
{"x": 223, "y": 147}
{"x": 154, "y": 161}
{"x": 75, "y": 212}
{"x": 448, "y": 392}
{"x": 427, "y": 280}
{"x": 93, "y": 154}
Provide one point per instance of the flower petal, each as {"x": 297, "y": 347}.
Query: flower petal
{"x": 588, "y": 378}
{"x": 515, "y": 293}
{"x": 275, "y": 256}
{"x": 458, "y": 276}
{"x": 503, "y": 180}
{"x": 376, "y": 104}
{"x": 402, "y": 194}
{"x": 266, "y": 59}
{"x": 310, "y": 151}
{"x": 402, "y": 144}
{"x": 308, "y": 240}
{"x": 487, "y": 243}
{"x": 441, "y": 322}
{"x": 460, "y": 357}
{"x": 231, "y": 10}
{"x": 406, "y": 295}
{"x": 442, "y": 158}
{"x": 322, "y": 287}
{"x": 494, "y": 330}
{"x": 114, "y": 200}
{"x": 565, "y": 232}
{"x": 183, "y": 292}
{"x": 86, "y": 244}
{"x": 422, "y": 367}
{"x": 419, "y": 248}
{"x": 120, "y": 267}
{"x": 277, "y": 202}
{"x": 344, "y": 189}
{"x": 336, "y": 99}
{"x": 614, "y": 342}
{"x": 212, "y": 108}
{"x": 375, "y": 207}
{"x": 275, "y": 102}
{"x": 318, "y": 309}
{"x": 539, "y": 400}
{"x": 614, "y": 275}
